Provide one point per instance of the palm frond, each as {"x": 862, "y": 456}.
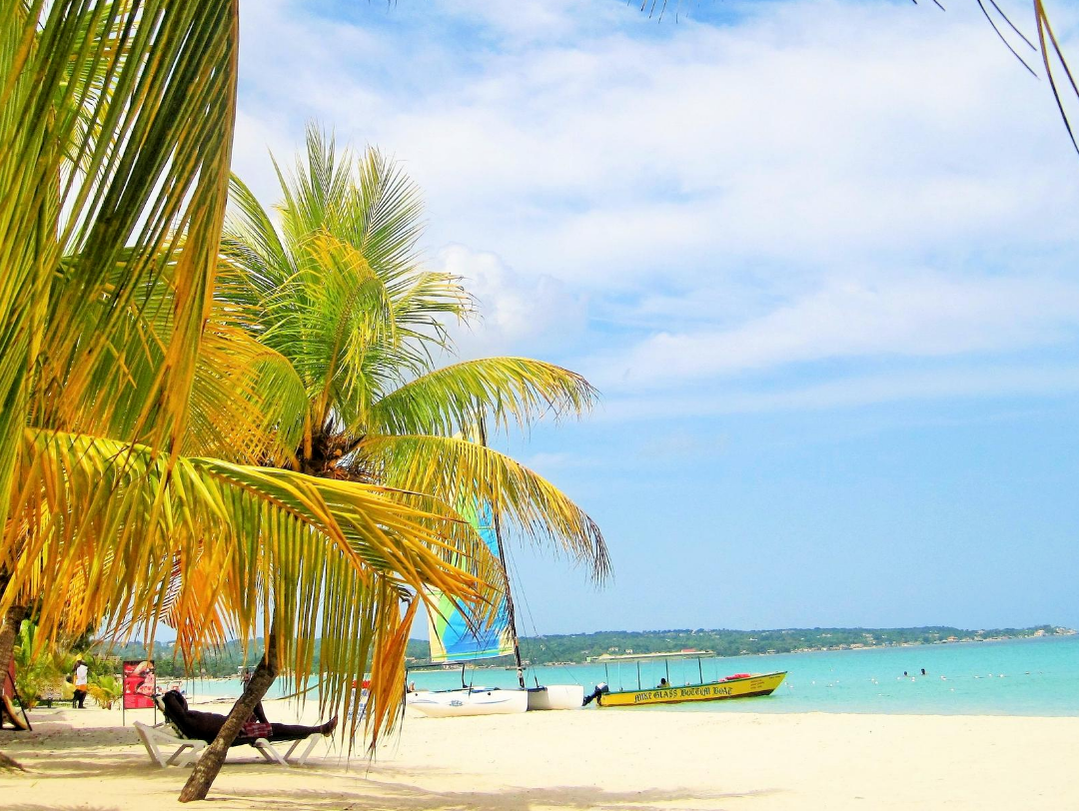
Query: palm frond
{"x": 115, "y": 136}
{"x": 260, "y": 262}
{"x": 120, "y": 535}
{"x": 460, "y": 396}
{"x": 342, "y": 220}
{"x": 314, "y": 190}
{"x": 461, "y": 472}
{"x": 1050, "y": 48}
{"x": 247, "y": 404}
{"x": 382, "y": 217}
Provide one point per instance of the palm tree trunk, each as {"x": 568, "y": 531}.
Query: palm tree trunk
{"x": 9, "y": 630}
{"x": 211, "y": 761}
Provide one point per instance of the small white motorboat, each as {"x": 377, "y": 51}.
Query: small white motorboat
{"x": 556, "y": 697}
{"x": 469, "y": 701}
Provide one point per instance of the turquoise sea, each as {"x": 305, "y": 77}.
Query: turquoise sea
{"x": 1028, "y": 677}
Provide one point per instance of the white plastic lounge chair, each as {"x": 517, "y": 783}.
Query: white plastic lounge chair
{"x": 296, "y": 756}
{"x": 157, "y": 741}
{"x": 292, "y": 758}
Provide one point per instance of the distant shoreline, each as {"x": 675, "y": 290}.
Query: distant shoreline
{"x": 599, "y": 647}
{"x": 476, "y": 665}
{"x": 582, "y": 648}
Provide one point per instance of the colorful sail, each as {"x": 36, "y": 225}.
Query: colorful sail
{"x": 451, "y": 638}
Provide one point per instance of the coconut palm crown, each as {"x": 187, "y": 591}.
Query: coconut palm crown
{"x": 339, "y": 291}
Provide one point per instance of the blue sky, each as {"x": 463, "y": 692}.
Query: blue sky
{"x": 818, "y": 257}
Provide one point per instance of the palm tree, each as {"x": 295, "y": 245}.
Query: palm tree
{"x": 116, "y": 124}
{"x": 341, "y": 294}
{"x": 115, "y": 364}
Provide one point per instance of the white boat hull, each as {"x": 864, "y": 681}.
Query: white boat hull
{"x": 556, "y": 697}
{"x": 469, "y": 702}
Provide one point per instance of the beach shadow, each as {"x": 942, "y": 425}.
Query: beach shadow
{"x": 60, "y": 734}
{"x": 373, "y": 795}
{"x": 332, "y": 783}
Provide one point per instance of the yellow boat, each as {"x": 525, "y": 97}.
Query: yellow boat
{"x": 734, "y": 687}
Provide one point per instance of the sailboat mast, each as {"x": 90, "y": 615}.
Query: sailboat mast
{"x": 510, "y": 611}
{"x": 509, "y": 605}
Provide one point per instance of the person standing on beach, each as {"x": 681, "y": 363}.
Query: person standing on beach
{"x": 82, "y": 682}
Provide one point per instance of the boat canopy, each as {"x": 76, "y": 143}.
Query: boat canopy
{"x": 659, "y": 655}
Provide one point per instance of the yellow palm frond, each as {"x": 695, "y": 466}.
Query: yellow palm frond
{"x": 215, "y": 546}
{"x": 248, "y": 405}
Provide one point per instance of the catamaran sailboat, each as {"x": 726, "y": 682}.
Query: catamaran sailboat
{"x": 469, "y": 701}
{"x": 454, "y": 641}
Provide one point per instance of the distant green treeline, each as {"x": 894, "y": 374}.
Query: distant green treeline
{"x": 578, "y": 648}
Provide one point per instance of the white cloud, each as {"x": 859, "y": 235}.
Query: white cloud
{"x": 716, "y": 198}
{"x": 517, "y": 315}
{"x": 256, "y": 139}
{"x": 993, "y": 382}
{"x": 926, "y": 315}
{"x": 813, "y": 132}
{"x": 678, "y": 445}
{"x": 518, "y": 21}
{"x": 808, "y": 130}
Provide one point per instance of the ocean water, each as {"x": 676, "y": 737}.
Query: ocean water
{"x": 1026, "y": 677}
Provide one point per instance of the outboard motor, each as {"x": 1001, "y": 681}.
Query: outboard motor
{"x": 600, "y": 689}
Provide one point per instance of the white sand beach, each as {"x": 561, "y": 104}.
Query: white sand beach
{"x": 589, "y": 759}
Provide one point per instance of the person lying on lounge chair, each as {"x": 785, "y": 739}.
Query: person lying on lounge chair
{"x": 205, "y": 726}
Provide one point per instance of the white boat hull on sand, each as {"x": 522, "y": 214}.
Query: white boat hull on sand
{"x": 468, "y": 702}
{"x": 556, "y": 697}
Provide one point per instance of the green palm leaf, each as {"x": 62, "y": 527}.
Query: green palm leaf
{"x": 458, "y": 397}
{"x": 460, "y": 471}
{"x": 109, "y": 144}
{"x": 341, "y": 295}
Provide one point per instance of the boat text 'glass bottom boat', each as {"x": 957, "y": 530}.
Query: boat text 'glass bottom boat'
{"x": 735, "y": 687}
